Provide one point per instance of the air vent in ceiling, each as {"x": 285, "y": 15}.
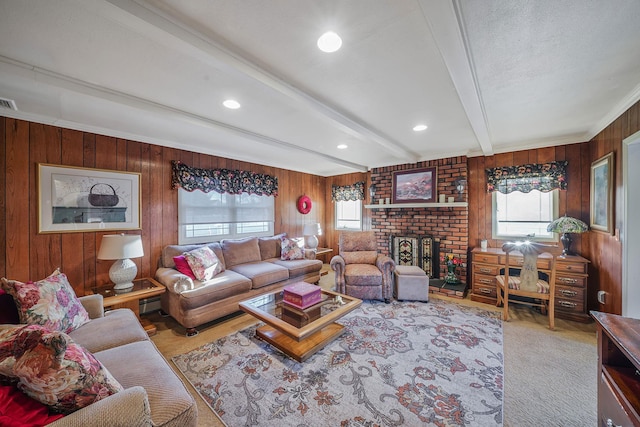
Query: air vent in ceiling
{"x": 8, "y": 103}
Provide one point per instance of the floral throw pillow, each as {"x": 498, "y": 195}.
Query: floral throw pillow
{"x": 52, "y": 369}
{"x": 49, "y": 302}
{"x": 290, "y": 250}
{"x": 203, "y": 262}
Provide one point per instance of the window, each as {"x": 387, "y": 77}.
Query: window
{"x": 349, "y": 215}
{"x": 208, "y": 217}
{"x": 518, "y": 215}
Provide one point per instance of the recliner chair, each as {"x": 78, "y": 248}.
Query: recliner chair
{"x": 360, "y": 271}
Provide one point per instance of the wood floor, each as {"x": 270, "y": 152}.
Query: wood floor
{"x": 171, "y": 340}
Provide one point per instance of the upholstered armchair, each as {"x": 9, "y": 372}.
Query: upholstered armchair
{"x": 360, "y": 271}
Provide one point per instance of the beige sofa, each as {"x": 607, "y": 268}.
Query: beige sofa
{"x": 252, "y": 267}
{"x": 154, "y": 395}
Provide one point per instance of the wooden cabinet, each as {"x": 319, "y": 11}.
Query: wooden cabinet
{"x": 618, "y": 370}
{"x": 571, "y": 281}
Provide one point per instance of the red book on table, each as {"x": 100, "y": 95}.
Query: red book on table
{"x": 302, "y": 295}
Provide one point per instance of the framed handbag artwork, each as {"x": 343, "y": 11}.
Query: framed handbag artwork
{"x": 74, "y": 199}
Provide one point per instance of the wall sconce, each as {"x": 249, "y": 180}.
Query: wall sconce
{"x": 460, "y": 185}
{"x": 372, "y": 191}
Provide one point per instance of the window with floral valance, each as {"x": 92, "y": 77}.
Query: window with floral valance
{"x": 343, "y": 193}
{"x": 543, "y": 177}
{"x": 222, "y": 180}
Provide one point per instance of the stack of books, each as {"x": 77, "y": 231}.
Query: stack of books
{"x": 301, "y": 304}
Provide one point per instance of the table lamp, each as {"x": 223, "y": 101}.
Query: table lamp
{"x": 565, "y": 225}
{"x": 121, "y": 247}
{"x": 310, "y": 231}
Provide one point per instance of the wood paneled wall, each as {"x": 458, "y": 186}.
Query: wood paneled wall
{"x": 574, "y": 202}
{"x": 330, "y": 237}
{"x": 27, "y": 255}
{"x": 606, "y": 249}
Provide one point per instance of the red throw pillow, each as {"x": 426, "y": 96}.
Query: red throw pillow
{"x": 19, "y": 410}
{"x": 183, "y": 266}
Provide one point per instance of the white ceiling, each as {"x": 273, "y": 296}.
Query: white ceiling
{"x": 485, "y": 76}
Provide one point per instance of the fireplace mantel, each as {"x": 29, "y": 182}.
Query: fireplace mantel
{"x": 418, "y": 205}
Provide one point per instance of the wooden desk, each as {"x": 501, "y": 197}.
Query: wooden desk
{"x": 142, "y": 288}
{"x": 571, "y": 281}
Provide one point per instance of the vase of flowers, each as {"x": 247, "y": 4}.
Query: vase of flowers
{"x": 452, "y": 262}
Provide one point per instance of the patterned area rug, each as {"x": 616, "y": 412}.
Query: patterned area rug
{"x": 436, "y": 363}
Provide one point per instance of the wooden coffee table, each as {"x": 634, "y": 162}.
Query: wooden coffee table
{"x": 300, "y": 342}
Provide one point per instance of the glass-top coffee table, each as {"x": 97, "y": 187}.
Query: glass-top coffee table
{"x": 299, "y": 333}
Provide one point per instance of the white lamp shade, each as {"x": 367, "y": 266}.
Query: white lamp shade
{"x": 121, "y": 246}
{"x": 311, "y": 229}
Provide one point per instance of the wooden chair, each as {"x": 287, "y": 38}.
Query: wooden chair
{"x": 530, "y": 278}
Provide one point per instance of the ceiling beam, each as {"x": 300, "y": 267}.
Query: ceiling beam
{"x": 42, "y": 75}
{"x": 220, "y": 53}
{"x": 447, "y": 27}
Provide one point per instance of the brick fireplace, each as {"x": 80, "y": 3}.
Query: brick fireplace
{"x": 447, "y": 224}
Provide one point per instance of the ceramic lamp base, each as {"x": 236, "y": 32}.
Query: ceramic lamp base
{"x": 122, "y": 273}
{"x": 310, "y": 242}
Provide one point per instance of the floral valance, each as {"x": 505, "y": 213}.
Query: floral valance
{"x": 222, "y": 180}
{"x": 524, "y": 178}
{"x": 344, "y": 193}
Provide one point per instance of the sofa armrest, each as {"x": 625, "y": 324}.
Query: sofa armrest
{"x": 127, "y": 408}
{"x": 338, "y": 265}
{"x": 173, "y": 280}
{"x": 94, "y": 304}
{"x": 387, "y": 266}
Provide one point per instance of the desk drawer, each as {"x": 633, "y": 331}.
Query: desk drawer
{"x": 570, "y": 293}
{"x": 490, "y": 270}
{"x": 484, "y": 280}
{"x": 485, "y": 290}
{"x": 576, "y": 281}
{"x": 485, "y": 258}
{"x": 575, "y": 267}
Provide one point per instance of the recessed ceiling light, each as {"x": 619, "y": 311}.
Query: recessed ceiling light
{"x": 342, "y": 146}
{"x": 231, "y": 104}
{"x": 329, "y": 42}
{"x": 419, "y": 128}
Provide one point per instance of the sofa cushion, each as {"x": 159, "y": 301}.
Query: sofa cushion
{"x": 290, "y": 250}
{"x": 170, "y": 251}
{"x": 52, "y": 369}
{"x": 262, "y": 273}
{"x": 203, "y": 262}
{"x": 362, "y": 275}
{"x": 240, "y": 251}
{"x": 140, "y": 364}
{"x": 299, "y": 267}
{"x": 224, "y": 285}
{"x": 50, "y": 302}
{"x": 270, "y": 246}
{"x": 360, "y": 257}
{"x": 117, "y": 327}
{"x": 183, "y": 266}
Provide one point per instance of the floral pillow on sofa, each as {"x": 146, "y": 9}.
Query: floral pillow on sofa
{"x": 290, "y": 249}
{"x": 52, "y": 369}
{"x": 203, "y": 262}
{"x": 49, "y": 302}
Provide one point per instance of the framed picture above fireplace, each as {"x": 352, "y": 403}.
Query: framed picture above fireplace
{"x": 415, "y": 185}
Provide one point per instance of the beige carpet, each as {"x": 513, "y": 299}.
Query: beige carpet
{"x": 550, "y": 376}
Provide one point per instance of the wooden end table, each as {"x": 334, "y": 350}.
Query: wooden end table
{"x": 142, "y": 288}
{"x": 299, "y": 342}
